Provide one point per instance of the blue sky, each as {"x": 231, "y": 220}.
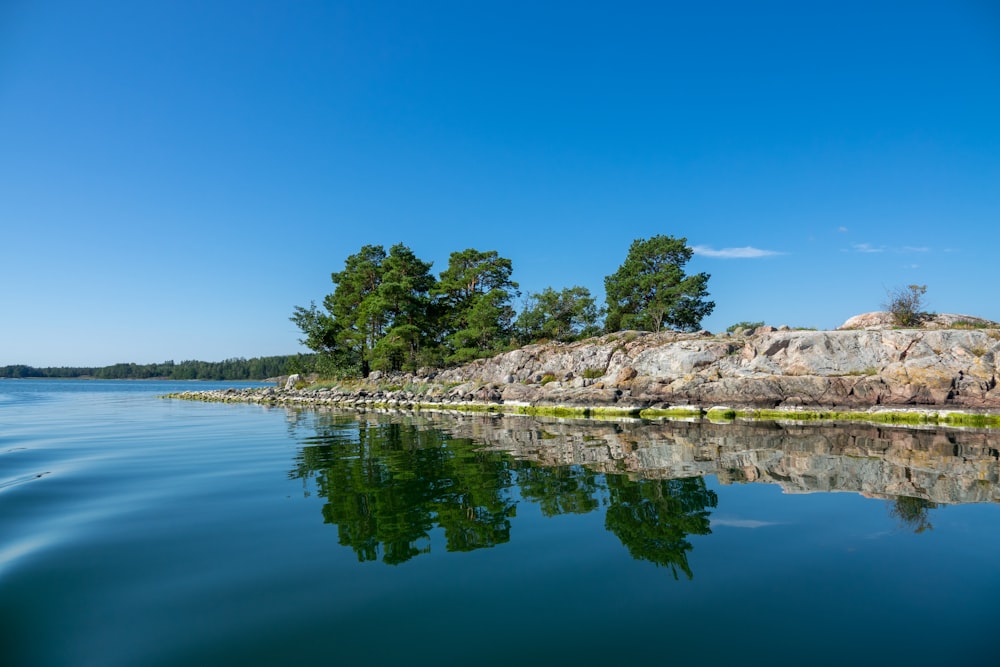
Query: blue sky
{"x": 176, "y": 176}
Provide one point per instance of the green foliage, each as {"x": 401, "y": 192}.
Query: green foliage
{"x": 592, "y": 373}
{"x": 567, "y": 315}
{"x": 377, "y": 316}
{"x": 969, "y": 324}
{"x": 474, "y": 304}
{"x": 650, "y": 289}
{"x": 744, "y": 325}
{"x": 906, "y": 305}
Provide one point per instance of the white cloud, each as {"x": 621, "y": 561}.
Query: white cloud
{"x": 867, "y": 247}
{"x": 910, "y": 248}
{"x": 842, "y": 230}
{"x": 746, "y": 252}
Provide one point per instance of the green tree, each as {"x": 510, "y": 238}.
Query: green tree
{"x": 358, "y": 318}
{"x": 376, "y": 317}
{"x": 566, "y": 315}
{"x": 474, "y": 304}
{"x": 404, "y": 298}
{"x": 651, "y": 290}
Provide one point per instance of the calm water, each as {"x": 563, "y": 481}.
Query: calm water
{"x": 136, "y": 530}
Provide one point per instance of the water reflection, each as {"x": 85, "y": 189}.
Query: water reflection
{"x": 912, "y": 513}
{"x": 388, "y": 483}
{"x": 389, "y": 480}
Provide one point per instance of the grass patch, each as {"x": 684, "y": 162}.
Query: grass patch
{"x": 592, "y": 373}
{"x": 670, "y": 413}
{"x": 863, "y": 373}
{"x": 973, "y": 420}
{"x": 969, "y": 324}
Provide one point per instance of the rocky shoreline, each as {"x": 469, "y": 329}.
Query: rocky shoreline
{"x": 873, "y": 374}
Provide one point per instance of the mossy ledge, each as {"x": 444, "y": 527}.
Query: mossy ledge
{"x": 399, "y": 400}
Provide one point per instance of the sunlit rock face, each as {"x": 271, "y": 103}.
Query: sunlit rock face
{"x": 941, "y": 466}
{"x": 848, "y": 368}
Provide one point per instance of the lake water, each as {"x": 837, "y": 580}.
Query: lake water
{"x": 136, "y": 530}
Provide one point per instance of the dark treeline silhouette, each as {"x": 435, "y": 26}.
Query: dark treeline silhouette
{"x": 257, "y": 368}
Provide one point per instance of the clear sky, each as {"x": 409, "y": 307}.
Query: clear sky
{"x": 176, "y": 176}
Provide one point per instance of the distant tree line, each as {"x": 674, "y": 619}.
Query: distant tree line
{"x": 257, "y": 368}
{"x": 389, "y": 312}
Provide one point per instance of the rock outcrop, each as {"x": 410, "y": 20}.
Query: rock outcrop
{"x": 843, "y": 370}
{"x": 956, "y": 368}
{"x": 886, "y": 320}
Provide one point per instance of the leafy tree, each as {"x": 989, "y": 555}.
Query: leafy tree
{"x": 565, "y": 315}
{"x": 651, "y": 290}
{"x": 906, "y": 305}
{"x": 319, "y": 328}
{"x": 474, "y": 304}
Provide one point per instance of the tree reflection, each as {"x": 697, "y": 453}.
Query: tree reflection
{"x": 388, "y": 484}
{"x": 653, "y": 517}
{"x": 561, "y": 490}
{"x": 912, "y": 513}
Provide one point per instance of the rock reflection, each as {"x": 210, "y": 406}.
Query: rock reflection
{"x": 389, "y": 480}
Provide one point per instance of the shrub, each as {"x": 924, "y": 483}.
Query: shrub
{"x": 592, "y": 373}
{"x": 906, "y": 304}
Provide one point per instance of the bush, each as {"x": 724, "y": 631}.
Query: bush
{"x": 905, "y": 304}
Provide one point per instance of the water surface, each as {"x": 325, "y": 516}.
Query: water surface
{"x": 138, "y": 530}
